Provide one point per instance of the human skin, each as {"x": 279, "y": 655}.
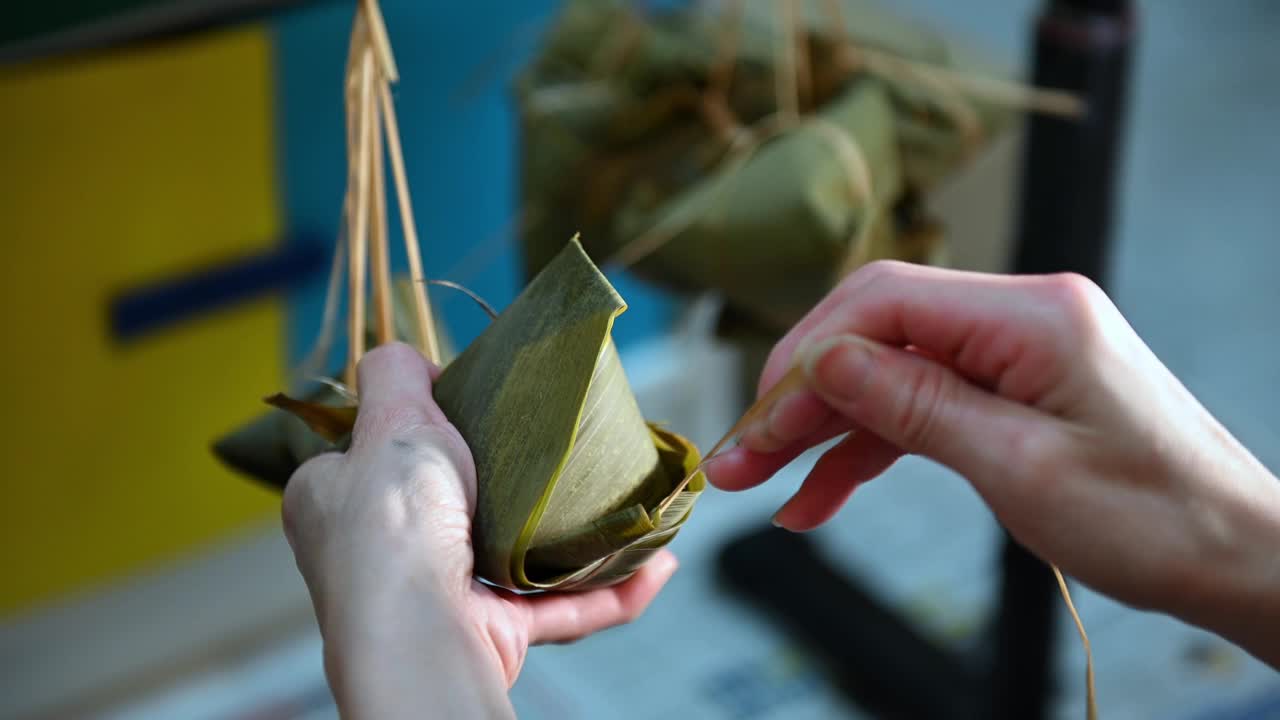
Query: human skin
{"x": 1033, "y": 388}
{"x": 1038, "y": 392}
{"x": 382, "y": 536}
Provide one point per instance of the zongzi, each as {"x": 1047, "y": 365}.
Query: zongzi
{"x": 761, "y": 151}
{"x": 574, "y": 488}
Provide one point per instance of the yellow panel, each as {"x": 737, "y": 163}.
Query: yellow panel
{"x": 119, "y": 170}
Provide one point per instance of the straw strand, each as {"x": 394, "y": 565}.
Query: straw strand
{"x": 380, "y": 39}
{"x": 1091, "y": 691}
{"x": 359, "y": 236}
{"x": 786, "y": 92}
{"x": 800, "y": 54}
{"x": 426, "y": 322}
{"x": 380, "y": 258}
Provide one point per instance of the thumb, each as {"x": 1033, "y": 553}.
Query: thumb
{"x": 395, "y": 393}
{"x": 917, "y": 404}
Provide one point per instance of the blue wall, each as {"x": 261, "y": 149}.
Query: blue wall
{"x": 459, "y": 130}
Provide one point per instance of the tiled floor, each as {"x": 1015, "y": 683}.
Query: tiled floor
{"x": 1198, "y": 250}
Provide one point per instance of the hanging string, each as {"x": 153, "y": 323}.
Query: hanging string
{"x": 316, "y": 359}
{"x": 800, "y": 54}
{"x": 379, "y": 252}
{"x": 715, "y": 104}
{"x": 1091, "y": 691}
{"x": 358, "y": 256}
{"x": 423, "y": 312}
{"x": 379, "y": 40}
{"x": 363, "y": 240}
{"x": 785, "y": 72}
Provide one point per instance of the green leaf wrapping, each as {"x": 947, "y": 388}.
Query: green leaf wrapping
{"x": 616, "y": 145}
{"x": 773, "y": 232}
{"x": 569, "y": 475}
{"x": 270, "y": 447}
{"x": 542, "y": 401}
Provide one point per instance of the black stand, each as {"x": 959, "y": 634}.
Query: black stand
{"x": 1068, "y": 186}
{"x": 873, "y": 654}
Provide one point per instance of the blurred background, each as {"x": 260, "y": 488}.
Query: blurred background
{"x": 174, "y": 173}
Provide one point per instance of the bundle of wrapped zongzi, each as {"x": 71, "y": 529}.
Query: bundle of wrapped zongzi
{"x": 760, "y": 151}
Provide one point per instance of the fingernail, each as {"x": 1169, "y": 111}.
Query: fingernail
{"x": 669, "y": 564}
{"x": 838, "y": 366}
{"x": 762, "y": 436}
{"x": 758, "y": 439}
{"x": 780, "y": 526}
{"x": 775, "y": 412}
{"x": 791, "y": 527}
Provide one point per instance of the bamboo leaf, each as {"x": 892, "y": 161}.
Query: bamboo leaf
{"x": 272, "y": 446}
{"x": 574, "y": 488}
{"x": 678, "y": 161}
{"x": 543, "y": 403}
{"x": 329, "y": 422}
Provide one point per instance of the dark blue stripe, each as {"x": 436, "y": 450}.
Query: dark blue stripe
{"x": 148, "y": 308}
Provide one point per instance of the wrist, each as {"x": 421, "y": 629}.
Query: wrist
{"x": 404, "y": 644}
{"x": 370, "y": 571}
{"x": 364, "y": 594}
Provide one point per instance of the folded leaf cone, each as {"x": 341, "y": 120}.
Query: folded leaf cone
{"x": 574, "y": 488}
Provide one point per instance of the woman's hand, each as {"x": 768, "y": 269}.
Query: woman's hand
{"x": 382, "y": 535}
{"x": 1037, "y": 391}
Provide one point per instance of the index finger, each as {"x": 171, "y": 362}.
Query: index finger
{"x": 980, "y": 324}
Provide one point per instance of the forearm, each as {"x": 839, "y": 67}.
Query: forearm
{"x": 1239, "y": 595}
{"x": 1253, "y": 620}
{"x": 388, "y": 660}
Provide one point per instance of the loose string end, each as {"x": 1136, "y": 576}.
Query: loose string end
{"x": 1091, "y": 691}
